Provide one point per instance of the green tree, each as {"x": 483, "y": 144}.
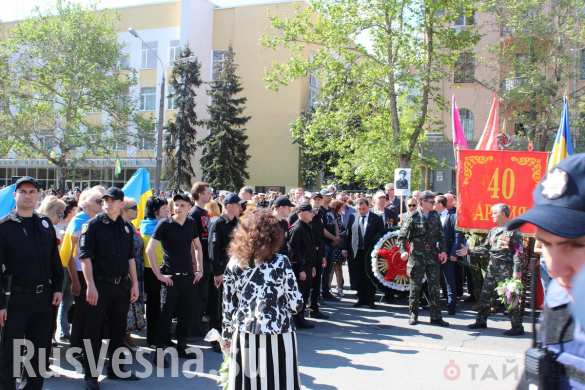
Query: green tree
{"x": 55, "y": 69}
{"x": 379, "y": 63}
{"x": 225, "y": 151}
{"x": 181, "y": 141}
{"x": 537, "y": 62}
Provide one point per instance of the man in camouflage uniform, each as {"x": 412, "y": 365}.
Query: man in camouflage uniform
{"x": 505, "y": 251}
{"x": 423, "y": 230}
{"x": 478, "y": 263}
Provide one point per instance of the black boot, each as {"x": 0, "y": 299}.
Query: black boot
{"x": 413, "y": 320}
{"x": 478, "y": 325}
{"x": 440, "y": 322}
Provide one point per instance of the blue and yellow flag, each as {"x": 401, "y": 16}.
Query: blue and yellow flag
{"x": 563, "y": 146}
{"x": 138, "y": 188}
{"x": 73, "y": 230}
{"x": 7, "y": 200}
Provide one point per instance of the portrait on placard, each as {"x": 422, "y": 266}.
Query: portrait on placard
{"x": 402, "y": 181}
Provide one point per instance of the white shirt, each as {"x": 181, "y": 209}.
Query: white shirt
{"x": 444, "y": 216}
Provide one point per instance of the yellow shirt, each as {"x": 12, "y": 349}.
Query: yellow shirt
{"x": 159, "y": 253}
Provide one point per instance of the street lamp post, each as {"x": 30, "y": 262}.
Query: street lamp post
{"x": 161, "y": 107}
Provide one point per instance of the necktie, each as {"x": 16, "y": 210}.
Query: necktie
{"x": 361, "y": 232}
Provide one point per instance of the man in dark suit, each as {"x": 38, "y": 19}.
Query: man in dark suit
{"x": 364, "y": 230}
{"x": 448, "y": 268}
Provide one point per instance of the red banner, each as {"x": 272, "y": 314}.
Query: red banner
{"x": 489, "y": 177}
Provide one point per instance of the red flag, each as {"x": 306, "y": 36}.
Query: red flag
{"x": 489, "y": 137}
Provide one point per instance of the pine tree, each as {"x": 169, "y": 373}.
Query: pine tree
{"x": 180, "y": 139}
{"x": 225, "y": 152}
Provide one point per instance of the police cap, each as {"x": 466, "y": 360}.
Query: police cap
{"x": 559, "y": 200}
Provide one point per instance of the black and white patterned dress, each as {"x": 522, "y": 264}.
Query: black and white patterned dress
{"x": 258, "y": 304}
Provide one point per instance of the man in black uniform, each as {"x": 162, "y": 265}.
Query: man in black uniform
{"x": 220, "y": 235}
{"x": 320, "y": 234}
{"x": 282, "y": 206}
{"x": 107, "y": 261}
{"x": 201, "y": 194}
{"x": 32, "y": 277}
{"x": 180, "y": 272}
{"x": 302, "y": 255}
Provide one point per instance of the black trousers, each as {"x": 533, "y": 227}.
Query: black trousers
{"x": 365, "y": 288}
{"x": 178, "y": 298}
{"x": 316, "y": 286}
{"x": 203, "y": 291}
{"x": 152, "y": 288}
{"x": 305, "y": 288}
{"x": 214, "y": 306}
{"x": 113, "y": 302}
{"x": 78, "y": 323}
{"x": 28, "y": 317}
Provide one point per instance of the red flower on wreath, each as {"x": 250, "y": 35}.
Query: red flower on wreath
{"x": 396, "y": 266}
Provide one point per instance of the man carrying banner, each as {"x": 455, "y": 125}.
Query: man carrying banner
{"x": 505, "y": 251}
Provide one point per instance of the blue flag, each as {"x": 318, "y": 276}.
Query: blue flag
{"x": 7, "y": 200}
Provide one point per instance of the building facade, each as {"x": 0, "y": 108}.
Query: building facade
{"x": 209, "y": 31}
{"x": 473, "y": 83}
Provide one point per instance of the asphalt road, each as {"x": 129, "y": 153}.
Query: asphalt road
{"x": 361, "y": 348}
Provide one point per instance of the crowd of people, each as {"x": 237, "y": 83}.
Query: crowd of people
{"x": 243, "y": 264}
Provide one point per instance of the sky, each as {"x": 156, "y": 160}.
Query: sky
{"x": 20, "y": 9}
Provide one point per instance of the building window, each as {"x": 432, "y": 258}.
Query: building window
{"x": 467, "y": 123}
{"x": 149, "y": 55}
{"x": 171, "y": 103}
{"x": 465, "y": 19}
{"x": 313, "y": 90}
{"x": 465, "y": 69}
{"x": 147, "y": 99}
{"x": 124, "y": 61}
{"x": 146, "y": 140}
{"x": 582, "y": 65}
{"x": 174, "y": 51}
{"x": 218, "y": 59}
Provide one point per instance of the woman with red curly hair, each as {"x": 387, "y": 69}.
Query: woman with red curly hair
{"x": 259, "y": 298}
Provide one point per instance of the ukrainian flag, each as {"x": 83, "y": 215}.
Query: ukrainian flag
{"x": 73, "y": 230}
{"x": 7, "y": 200}
{"x": 138, "y": 188}
{"x": 563, "y": 146}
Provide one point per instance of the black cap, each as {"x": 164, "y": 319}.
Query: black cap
{"x": 181, "y": 196}
{"x": 402, "y": 172}
{"x": 114, "y": 193}
{"x": 231, "y": 198}
{"x": 282, "y": 201}
{"x": 559, "y": 200}
{"x": 29, "y": 180}
{"x": 316, "y": 195}
{"x": 305, "y": 207}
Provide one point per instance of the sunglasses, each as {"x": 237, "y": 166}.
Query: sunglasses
{"x": 135, "y": 207}
{"x": 411, "y": 205}
{"x": 99, "y": 201}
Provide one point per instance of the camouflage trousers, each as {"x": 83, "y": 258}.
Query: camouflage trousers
{"x": 419, "y": 266}
{"x": 497, "y": 271}
{"x": 477, "y": 268}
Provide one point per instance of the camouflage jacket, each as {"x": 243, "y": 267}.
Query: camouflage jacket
{"x": 502, "y": 245}
{"x": 425, "y": 234}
